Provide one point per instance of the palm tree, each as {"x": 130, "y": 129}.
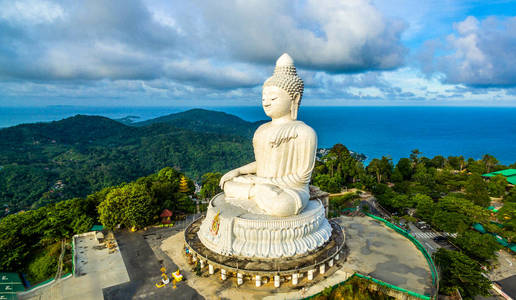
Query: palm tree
{"x": 462, "y": 162}
{"x": 414, "y": 156}
{"x": 489, "y": 162}
{"x": 375, "y": 167}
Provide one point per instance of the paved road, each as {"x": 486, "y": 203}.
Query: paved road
{"x": 425, "y": 238}
{"x": 431, "y": 234}
{"x": 374, "y": 208}
{"x": 143, "y": 269}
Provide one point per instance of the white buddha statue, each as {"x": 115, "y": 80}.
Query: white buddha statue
{"x": 265, "y": 209}
{"x": 284, "y": 148}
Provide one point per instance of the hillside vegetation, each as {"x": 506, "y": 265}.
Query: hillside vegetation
{"x": 48, "y": 162}
{"x": 30, "y": 241}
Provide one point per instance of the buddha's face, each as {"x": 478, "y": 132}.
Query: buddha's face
{"x": 276, "y": 102}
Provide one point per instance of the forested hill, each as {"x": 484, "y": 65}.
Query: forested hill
{"x": 79, "y": 130}
{"x": 206, "y": 121}
{"x": 47, "y": 162}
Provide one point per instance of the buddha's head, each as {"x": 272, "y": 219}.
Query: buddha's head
{"x": 282, "y": 91}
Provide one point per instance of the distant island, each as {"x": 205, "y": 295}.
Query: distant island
{"x": 128, "y": 120}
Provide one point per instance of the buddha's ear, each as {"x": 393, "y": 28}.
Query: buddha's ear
{"x": 296, "y": 98}
{"x": 295, "y": 105}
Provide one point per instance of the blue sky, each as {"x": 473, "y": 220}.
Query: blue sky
{"x": 213, "y": 53}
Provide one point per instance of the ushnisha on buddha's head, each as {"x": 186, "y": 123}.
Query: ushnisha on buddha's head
{"x": 282, "y": 92}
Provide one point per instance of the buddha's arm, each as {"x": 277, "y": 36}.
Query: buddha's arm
{"x": 250, "y": 168}
{"x": 246, "y": 169}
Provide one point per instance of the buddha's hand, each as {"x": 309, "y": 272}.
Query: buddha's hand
{"x": 228, "y": 176}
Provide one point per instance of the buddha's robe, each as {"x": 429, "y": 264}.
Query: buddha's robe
{"x": 285, "y": 158}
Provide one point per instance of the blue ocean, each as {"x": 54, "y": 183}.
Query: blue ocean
{"x": 373, "y": 131}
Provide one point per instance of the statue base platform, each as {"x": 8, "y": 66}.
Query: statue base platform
{"x": 319, "y": 260}
{"x": 234, "y": 231}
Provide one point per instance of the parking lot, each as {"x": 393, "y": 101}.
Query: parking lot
{"x": 97, "y": 267}
{"x": 143, "y": 266}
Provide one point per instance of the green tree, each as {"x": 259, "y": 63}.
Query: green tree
{"x": 477, "y": 190}
{"x": 510, "y": 196}
{"x": 18, "y": 234}
{"x": 414, "y": 156}
{"x": 397, "y": 176}
{"x": 496, "y": 185}
{"x": 474, "y": 166}
{"x": 507, "y": 216}
{"x": 44, "y": 265}
{"x": 453, "y": 214}
{"x": 423, "y": 176}
{"x": 374, "y": 168}
{"x": 401, "y": 202}
{"x": 337, "y": 169}
{"x": 478, "y": 246}
{"x": 489, "y": 162}
{"x": 388, "y": 198}
{"x": 139, "y": 210}
{"x": 111, "y": 210}
{"x": 438, "y": 161}
{"x": 130, "y": 205}
{"x": 210, "y": 185}
{"x": 458, "y": 271}
{"x": 405, "y": 167}
{"x": 381, "y": 168}
{"x": 327, "y": 183}
{"x": 425, "y": 206}
{"x": 457, "y": 162}
{"x": 166, "y": 192}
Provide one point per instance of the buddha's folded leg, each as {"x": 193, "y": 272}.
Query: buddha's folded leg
{"x": 238, "y": 190}
{"x": 238, "y": 193}
{"x": 277, "y": 201}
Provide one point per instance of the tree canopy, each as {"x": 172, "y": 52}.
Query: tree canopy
{"x": 458, "y": 271}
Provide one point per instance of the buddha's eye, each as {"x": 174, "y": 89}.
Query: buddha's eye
{"x": 274, "y": 98}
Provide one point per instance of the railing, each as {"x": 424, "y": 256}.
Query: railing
{"x": 428, "y": 257}
{"x": 430, "y": 262}
{"x": 74, "y": 257}
{"x": 378, "y": 282}
{"x": 45, "y": 283}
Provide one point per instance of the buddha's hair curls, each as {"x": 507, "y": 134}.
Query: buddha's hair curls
{"x": 285, "y": 77}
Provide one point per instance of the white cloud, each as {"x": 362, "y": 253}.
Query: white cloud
{"x": 161, "y": 49}
{"x": 30, "y": 11}
{"x": 334, "y": 36}
{"x": 483, "y": 53}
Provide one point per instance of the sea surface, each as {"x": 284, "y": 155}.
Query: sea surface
{"x": 373, "y": 131}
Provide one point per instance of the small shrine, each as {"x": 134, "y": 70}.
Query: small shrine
{"x": 166, "y": 216}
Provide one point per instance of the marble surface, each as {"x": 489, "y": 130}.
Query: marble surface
{"x": 232, "y": 230}
{"x": 276, "y": 183}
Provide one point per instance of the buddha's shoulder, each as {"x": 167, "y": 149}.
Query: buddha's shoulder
{"x": 304, "y": 130}
{"x": 297, "y": 125}
{"x": 298, "y": 128}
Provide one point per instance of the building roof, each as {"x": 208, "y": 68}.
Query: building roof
{"x": 166, "y": 213}
{"x": 10, "y": 284}
{"x": 510, "y": 174}
{"x": 97, "y": 228}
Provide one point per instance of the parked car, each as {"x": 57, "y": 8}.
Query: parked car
{"x": 440, "y": 239}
